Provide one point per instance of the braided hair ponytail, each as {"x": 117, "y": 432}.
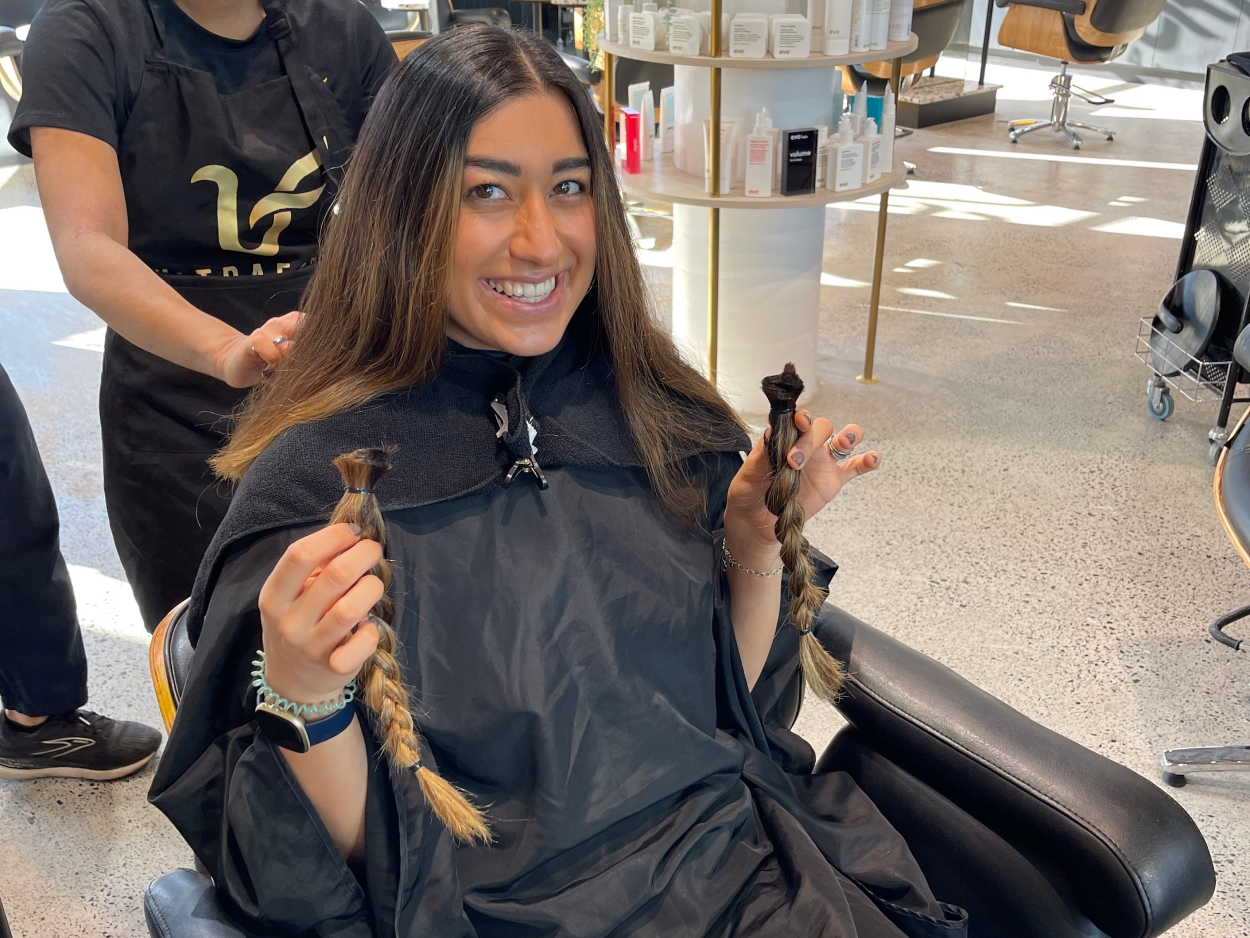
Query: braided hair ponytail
{"x": 823, "y": 672}
{"x": 382, "y": 688}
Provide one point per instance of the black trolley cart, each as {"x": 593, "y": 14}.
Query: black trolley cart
{"x": 1188, "y": 342}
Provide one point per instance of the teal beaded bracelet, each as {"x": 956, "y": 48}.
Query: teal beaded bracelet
{"x": 270, "y": 697}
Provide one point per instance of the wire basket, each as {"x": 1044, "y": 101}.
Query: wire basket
{"x": 1196, "y": 379}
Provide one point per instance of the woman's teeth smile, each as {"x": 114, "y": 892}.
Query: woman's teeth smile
{"x": 523, "y": 292}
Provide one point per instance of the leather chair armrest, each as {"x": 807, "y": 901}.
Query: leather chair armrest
{"x": 183, "y": 904}
{"x": 1075, "y": 7}
{"x": 1136, "y": 862}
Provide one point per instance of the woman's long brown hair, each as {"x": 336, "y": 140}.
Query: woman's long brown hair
{"x": 375, "y": 310}
{"x": 822, "y": 671}
{"x": 381, "y": 684}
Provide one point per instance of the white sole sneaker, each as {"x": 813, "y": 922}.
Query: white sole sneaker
{"x": 69, "y": 771}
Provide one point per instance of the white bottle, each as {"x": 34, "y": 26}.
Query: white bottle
{"x": 846, "y": 163}
{"x": 647, "y": 135}
{"x": 642, "y": 31}
{"x": 748, "y": 36}
{"x": 623, "y": 13}
{"x": 888, "y": 111}
{"x": 900, "y": 20}
{"x": 791, "y": 37}
{"x": 822, "y": 153}
{"x": 861, "y": 25}
{"x": 759, "y": 168}
{"x": 872, "y": 150}
{"x": 668, "y": 117}
{"x": 774, "y": 134}
{"x": 880, "y": 25}
{"x": 838, "y": 27}
{"x": 728, "y": 150}
{"x": 859, "y": 111}
{"x": 685, "y": 34}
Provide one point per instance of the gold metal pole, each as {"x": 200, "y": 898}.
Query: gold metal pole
{"x": 537, "y": 7}
{"x": 878, "y": 260}
{"x": 609, "y": 104}
{"x": 713, "y": 240}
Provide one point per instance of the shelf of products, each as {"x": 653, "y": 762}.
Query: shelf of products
{"x": 661, "y": 181}
{"x": 816, "y": 60}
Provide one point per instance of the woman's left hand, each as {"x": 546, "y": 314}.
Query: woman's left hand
{"x": 749, "y": 523}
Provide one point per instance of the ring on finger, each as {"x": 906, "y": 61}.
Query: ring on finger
{"x": 836, "y": 453}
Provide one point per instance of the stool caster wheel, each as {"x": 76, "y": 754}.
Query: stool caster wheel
{"x": 1213, "y": 453}
{"x": 1176, "y": 781}
{"x": 1160, "y": 404}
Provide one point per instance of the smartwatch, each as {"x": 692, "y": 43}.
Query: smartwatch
{"x": 291, "y": 732}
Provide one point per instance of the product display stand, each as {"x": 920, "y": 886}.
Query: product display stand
{"x": 767, "y": 251}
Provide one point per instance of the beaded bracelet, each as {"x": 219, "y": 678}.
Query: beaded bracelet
{"x": 270, "y": 697}
{"x": 731, "y": 562}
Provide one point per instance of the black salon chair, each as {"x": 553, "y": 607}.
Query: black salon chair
{"x": 1232, "y": 502}
{"x": 4, "y": 924}
{"x": 1085, "y": 31}
{"x": 1036, "y": 836}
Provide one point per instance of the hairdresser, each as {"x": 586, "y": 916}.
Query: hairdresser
{"x": 186, "y": 153}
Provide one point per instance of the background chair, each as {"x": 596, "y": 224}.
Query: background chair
{"x": 1036, "y": 836}
{"x": 934, "y": 22}
{"x": 1072, "y": 31}
{"x": 1232, "y": 501}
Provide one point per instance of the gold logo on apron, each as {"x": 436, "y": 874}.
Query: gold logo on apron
{"x": 279, "y": 203}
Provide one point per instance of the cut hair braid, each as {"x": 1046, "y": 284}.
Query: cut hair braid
{"x": 382, "y": 687}
{"x": 822, "y": 671}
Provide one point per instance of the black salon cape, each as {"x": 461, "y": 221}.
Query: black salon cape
{"x": 572, "y": 665}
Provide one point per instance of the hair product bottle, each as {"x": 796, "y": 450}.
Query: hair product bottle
{"x": 633, "y": 140}
{"x": 872, "y": 150}
{"x": 861, "y": 25}
{"x": 888, "y": 109}
{"x": 668, "y": 117}
{"x": 623, "y": 13}
{"x": 798, "y": 169}
{"x": 822, "y": 153}
{"x": 880, "y": 12}
{"x": 846, "y": 162}
{"x": 838, "y": 27}
{"x": 647, "y": 114}
{"x": 791, "y": 36}
{"x": 759, "y": 168}
{"x": 900, "y": 20}
{"x": 685, "y": 34}
{"x": 748, "y": 36}
{"x": 728, "y": 152}
{"x": 642, "y": 30}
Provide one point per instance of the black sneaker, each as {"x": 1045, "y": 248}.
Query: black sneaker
{"x": 78, "y": 744}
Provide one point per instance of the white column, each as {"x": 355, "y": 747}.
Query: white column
{"x": 769, "y": 258}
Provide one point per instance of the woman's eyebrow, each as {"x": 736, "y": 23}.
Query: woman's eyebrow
{"x": 498, "y": 166}
{"x": 572, "y": 162}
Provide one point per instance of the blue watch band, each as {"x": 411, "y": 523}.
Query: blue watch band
{"x": 331, "y": 726}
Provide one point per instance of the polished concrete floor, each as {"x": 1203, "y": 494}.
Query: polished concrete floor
{"x": 1031, "y": 526}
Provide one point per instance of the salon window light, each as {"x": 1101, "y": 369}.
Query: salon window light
{"x": 1057, "y": 158}
{"x": 922, "y": 263}
{"x": 931, "y": 294}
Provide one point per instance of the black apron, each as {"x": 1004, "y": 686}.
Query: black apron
{"x": 160, "y": 422}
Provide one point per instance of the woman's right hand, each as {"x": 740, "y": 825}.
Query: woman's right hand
{"x": 319, "y": 591}
{"x": 243, "y": 361}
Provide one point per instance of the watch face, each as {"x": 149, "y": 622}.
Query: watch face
{"x": 282, "y": 728}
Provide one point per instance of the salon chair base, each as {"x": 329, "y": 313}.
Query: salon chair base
{"x": 1062, "y": 87}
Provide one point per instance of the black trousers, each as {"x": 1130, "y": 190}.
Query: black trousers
{"x": 43, "y": 668}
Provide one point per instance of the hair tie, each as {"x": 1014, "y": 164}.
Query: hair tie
{"x": 355, "y": 491}
{"x": 805, "y": 631}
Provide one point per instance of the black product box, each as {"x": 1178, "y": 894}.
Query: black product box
{"x": 798, "y": 166}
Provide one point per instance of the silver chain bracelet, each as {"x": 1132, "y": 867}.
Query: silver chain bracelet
{"x": 270, "y": 697}
{"x": 731, "y": 562}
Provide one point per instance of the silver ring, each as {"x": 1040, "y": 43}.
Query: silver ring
{"x": 836, "y": 453}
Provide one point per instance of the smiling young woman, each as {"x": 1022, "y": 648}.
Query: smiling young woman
{"x": 550, "y": 533}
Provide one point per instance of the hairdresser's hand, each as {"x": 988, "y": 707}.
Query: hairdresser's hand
{"x": 319, "y": 591}
{"x": 242, "y": 361}
{"x": 749, "y": 523}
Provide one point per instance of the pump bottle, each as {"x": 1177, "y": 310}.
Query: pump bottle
{"x": 846, "y": 162}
